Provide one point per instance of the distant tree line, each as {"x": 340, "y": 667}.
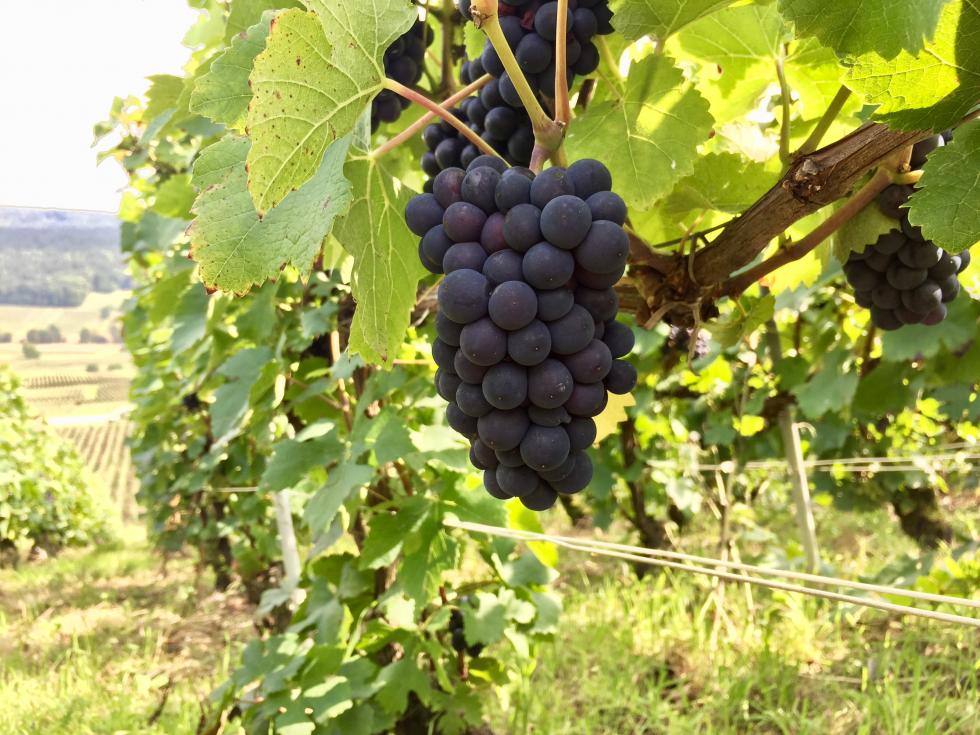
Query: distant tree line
{"x": 49, "y": 335}
{"x": 51, "y": 277}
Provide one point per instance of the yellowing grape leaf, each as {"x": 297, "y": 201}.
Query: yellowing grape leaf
{"x": 612, "y": 415}
{"x": 657, "y": 126}
{"x": 318, "y": 72}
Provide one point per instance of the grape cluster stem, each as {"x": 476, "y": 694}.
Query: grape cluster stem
{"x": 415, "y": 128}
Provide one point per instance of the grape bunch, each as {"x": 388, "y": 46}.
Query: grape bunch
{"x": 529, "y": 27}
{"x": 528, "y": 344}
{"x": 507, "y": 129}
{"x": 458, "y": 634}
{"x": 902, "y": 277}
{"x": 403, "y": 61}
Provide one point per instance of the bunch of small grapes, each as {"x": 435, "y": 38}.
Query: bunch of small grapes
{"x": 528, "y": 343}
{"x": 680, "y": 339}
{"x": 902, "y": 277}
{"x": 507, "y": 130}
{"x": 530, "y": 27}
{"x": 404, "y": 61}
{"x": 458, "y": 634}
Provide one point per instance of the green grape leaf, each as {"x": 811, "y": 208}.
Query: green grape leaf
{"x": 236, "y": 250}
{"x": 386, "y": 264}
{"x": 398, "y": 680}
{"x": 223, "y": 94}
{"x": 344, "y": 479}
{"x": 830, "y": 389}
{"x": 474, "y": 39}
{"x": 657, "y": 124}
{"x": 931, "y": 89}
{"x": 883, "y": 391}
{"x": 317, "y": 74}
{"x": 858, "y": 26}
{"x": 164, "y": 91}
{"x": 730, "y": 331}
{"x": 946, "y": 202}
{"x": 390, "y": 530}
{"x": 232, "y": 400}
{"x": 175, "y": 197}
{"x": 860, "y": 231}
{"x": 725, "y": 182}
{"x": 634, "y": 19}
{"x": 486, "y": 623}
{"x": 915, "y": 340}
{"x": 292, "y": 459}
{"x": 244, "y": 14}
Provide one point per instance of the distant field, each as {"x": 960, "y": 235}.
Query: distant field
{"x": 90, "y": 315}
{"x": 82, "y": 390}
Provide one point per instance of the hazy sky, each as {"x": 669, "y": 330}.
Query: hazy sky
{"x": 61, "y": 63}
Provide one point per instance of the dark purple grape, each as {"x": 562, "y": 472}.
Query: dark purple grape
{"x": 470, "y": 372}
{"x": 502, "y": 266}
{"x": 565, "y": 221}
{"x": 890, "y": 242}
{"x": 464, "y": 222}
{"x": 622, "y": 378}
{"x": 885, "y": 297}
{"x": 543, "y": 498}
{"x": 513, "y": 305}
{"x": 460, "y": 422}
{"x": 605, "y": 249}
{"x": 464, "y": 296}
{"x": 576, "y": 480}
{"x": 587, "y": 399}
{"x": 503, "y": 430}
{"x": 589, "y": 176}
{"x": 514, "y": 188}
{"x": 591, "y": 364}
{"x": 602, "y": 304}
{"x": 548, "y": 416}
{"x": 517, "y": 481}
{"x": 509, "y": 457}
{"x": 861, "y": 276}
{"x": 505, "y": 386}
{"x": 619, "y": 338}
{"x": 555, "y": 304}
{"x": 462, "y": 255}
{"x": 448, "y": 330}
{"x": 482, "y": 343}
{"x": 530, "y": 345}
{"x": 534, "y": 54}
{"x": 550, "y": 184}
{"x": 482, "y": 456}
{"x": 446, "y": 384}
{"x": 522, "y": 227}
{"x": 581, "y": 433}
{"x": 471, "y": 401}
{"x": 492, "y": 234}
{"x": 479, "y": 187}
{"x": 544, "y": 448}
{"x": 922, "y": 149}
{"x": 549, "y": 384}
{"x": 546, "y": 267}
{"x": 885, "y": 319}
{"x": 923, "y": 299}
{"x": 448, "y": 185}
{"x": 493, "y": 487}
{"x": 422, "y": 213}
{"x": 902, "y": 278}
{"x": 607, "y": 205}
{"x": 890, "y": 200}
{"x": 572, "y": 332}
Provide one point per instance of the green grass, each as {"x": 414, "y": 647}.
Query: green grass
{"x": 96, "y": 641}
{"x": 93, "y": 642}
{"x": 675, "y": 654}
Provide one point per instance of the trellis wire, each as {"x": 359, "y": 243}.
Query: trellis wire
{"x": 644, "y": 557}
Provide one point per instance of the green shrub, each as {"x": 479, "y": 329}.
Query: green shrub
{"x": 91, "y": 368}
{"x": 47, "y": 496}
{"x": 30, "y": 351}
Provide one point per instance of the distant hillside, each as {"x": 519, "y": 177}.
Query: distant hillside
{"x": 56, "y": 257}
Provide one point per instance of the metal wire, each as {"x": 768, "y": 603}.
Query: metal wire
{"x": 642, "y": 556}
